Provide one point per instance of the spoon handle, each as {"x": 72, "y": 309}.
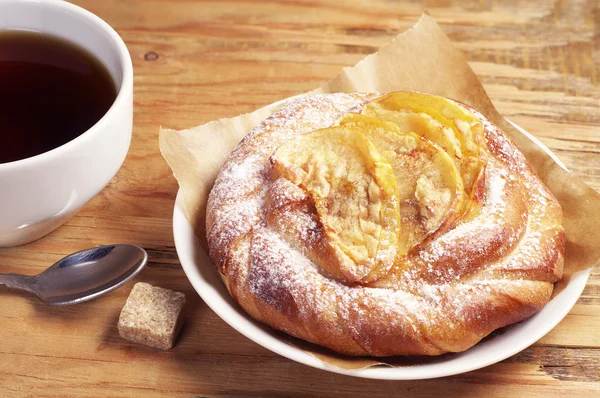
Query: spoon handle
{"x": 17, "y": 281}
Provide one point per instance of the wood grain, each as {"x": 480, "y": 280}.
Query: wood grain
{"x": 196, "y": 61}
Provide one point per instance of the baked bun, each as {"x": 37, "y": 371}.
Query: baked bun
{"x": 402, "y": 224}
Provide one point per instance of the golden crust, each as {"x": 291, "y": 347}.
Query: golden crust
{"x": 492, "y": 267}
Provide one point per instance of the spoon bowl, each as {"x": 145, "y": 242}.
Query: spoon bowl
{"x": 82, "y": 276}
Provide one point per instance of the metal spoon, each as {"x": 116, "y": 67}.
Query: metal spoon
{"x": 82, "y": 276}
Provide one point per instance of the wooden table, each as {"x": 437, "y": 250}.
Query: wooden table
{"x": 199, "y": 61}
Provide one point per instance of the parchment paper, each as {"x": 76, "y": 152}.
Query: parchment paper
{"x": 421, "y": 59}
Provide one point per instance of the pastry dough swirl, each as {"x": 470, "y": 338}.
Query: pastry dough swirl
{"x": 402, "y": 224}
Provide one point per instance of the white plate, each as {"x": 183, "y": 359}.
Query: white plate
{"x": 205, "y": 279}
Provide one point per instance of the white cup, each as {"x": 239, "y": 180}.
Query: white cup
{"x": 40, "y": 193}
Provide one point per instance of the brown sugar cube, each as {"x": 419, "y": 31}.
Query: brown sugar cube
{"x": 152, "y": 316}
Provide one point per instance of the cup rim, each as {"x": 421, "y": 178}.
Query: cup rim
{"x": 122, "y": 94}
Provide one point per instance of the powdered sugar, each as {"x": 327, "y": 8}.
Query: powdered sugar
{"x": 236, "y": 202}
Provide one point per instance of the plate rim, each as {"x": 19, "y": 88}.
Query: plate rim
{"x": 191, "y": 257}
